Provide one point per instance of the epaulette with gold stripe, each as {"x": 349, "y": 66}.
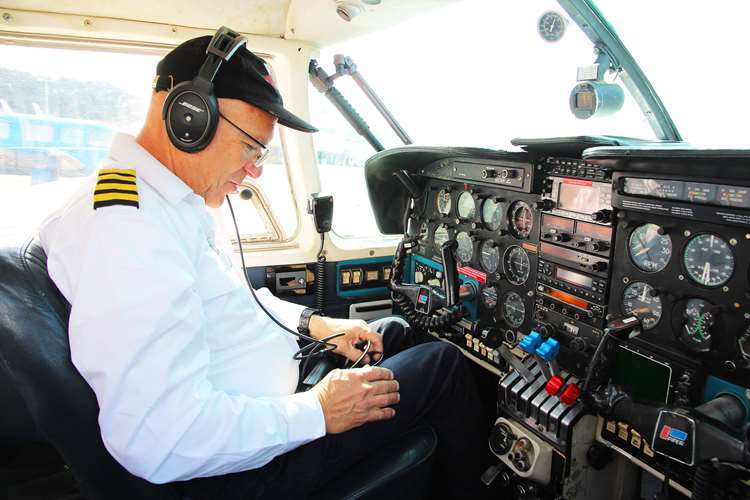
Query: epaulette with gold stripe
{"x": 115, "y": 186}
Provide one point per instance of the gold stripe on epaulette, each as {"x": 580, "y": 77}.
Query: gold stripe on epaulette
{"x": 121, "y": 186}
{"x": 121, "y": 171}
{"x": 116, "y": 186}
{"x": 116, "y": 177}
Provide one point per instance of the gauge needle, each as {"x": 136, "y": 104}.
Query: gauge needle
{"x": 643, "y": 296}
{"x": 706, "y": 273}
{"x": 641, "y": 252}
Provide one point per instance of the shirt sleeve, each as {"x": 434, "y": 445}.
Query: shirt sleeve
{"x": 138, "y": 337}
{"x": 286, "y": 312}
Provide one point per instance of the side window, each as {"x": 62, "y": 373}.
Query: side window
{"x": 341, "y": 155}
{"x": 59, "y": 109}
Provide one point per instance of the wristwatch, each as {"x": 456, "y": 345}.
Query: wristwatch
{"x": 304, "y": 320}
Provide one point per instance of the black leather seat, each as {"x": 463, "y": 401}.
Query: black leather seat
{"x": 43, "y": 398}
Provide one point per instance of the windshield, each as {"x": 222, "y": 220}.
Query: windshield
{"x": 693, "y": 54}
{"x": 479, "y": 73}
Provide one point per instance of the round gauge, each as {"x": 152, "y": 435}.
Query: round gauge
{"x": 638, "y": 299}
{"x": 516, "y": 265}
{"x": 443, "y": 202}
{"x": 708, "y": 260}
{"x": 492, "y": 214}
{"x": 424, "y": 233}
{"x": 514, "y": 309}
{"x": 489, "y": 298}
{"x": 551, "y": 26}
{"x": 466, "y": 208}
{"x": 501, "y": 439}
{"x": 441, "y": 236}
{"x": 697, "y": 322}
{"x": 489, "y": 255}
{"x": 649, "y": 250}
{"x": 465, "y": 250}
{"x": 521, "y": 219}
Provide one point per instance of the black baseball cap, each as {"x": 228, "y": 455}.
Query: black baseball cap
{"x": 245, "y": 77}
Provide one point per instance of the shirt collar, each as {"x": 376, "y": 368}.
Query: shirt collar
{"x": 127, "y": 152}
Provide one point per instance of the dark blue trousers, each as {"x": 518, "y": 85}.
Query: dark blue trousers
{"x": 436, "y": 387}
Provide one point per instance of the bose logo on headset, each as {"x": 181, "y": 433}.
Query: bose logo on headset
{"x": 190, "y": 106}
{"x": 193, "y": 133}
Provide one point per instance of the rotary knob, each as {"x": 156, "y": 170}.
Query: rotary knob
{"x": 489, "y": 173}
{"x": 602, "y": 215}
{"x": 545, "y": 204}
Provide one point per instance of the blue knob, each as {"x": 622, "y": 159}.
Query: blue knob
{"x": 531, "y": 342}
{"x": 549, "y": 350}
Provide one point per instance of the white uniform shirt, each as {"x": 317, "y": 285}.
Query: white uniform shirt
{"x": 192, "y": 378}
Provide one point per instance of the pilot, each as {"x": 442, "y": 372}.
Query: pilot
{"x": 195, "y": 383}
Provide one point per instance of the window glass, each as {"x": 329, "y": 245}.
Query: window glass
{"x": 59, "y": 109}
{"x": 494, "y": 78}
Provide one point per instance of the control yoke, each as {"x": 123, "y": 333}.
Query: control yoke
{"x": 690, "y": 436}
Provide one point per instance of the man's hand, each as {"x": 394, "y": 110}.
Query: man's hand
{"x": 350, "y": 398}
{"x": 355, "y": 330}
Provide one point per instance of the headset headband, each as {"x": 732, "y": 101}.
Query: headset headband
{"x": 222, "y": 47}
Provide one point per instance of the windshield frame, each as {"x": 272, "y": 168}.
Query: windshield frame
{"x": 591, "y": 21}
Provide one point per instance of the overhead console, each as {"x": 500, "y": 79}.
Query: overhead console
{"x": 614, "y": 268}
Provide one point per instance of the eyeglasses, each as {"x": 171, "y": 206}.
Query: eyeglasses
{"x": 262, "y": 155}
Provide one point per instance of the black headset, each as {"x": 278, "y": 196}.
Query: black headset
{"x": 191, "y": 111}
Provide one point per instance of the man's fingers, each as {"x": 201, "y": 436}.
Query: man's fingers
{"x": 384, "y": 386}
{"x": 373, "y": 373}
{"x": 376, "y": 340}
{"x": 383, "y": 400}
{"x": 380, "y": 414}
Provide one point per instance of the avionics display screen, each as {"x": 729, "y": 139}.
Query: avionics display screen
{"x": 643, "y": 378}
{"x": 693, "y": 192}
{"x": 568, "y": 298}
{"x": 577, "y": 198}
{"x": 551, "y": 221}
{"x": 594, "y": 231}
{"x": 575, "y": 278}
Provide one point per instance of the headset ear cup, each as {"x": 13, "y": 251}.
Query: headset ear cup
{"x": 190, "y": 116}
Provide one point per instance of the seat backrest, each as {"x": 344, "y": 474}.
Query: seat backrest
{"x": 36, "y": 370}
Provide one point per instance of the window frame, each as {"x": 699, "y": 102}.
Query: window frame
{"x": 260, "y": 200}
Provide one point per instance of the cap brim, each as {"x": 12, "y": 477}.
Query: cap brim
{"x": 287, "y": 118}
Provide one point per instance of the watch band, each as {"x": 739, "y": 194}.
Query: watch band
{"x": 304, "y": 320}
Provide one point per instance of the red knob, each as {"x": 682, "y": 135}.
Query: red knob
{"x": 570, "y": 394}
{"x": 554, "y": 385}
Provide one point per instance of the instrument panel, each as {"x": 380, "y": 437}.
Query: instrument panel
{"x": 564, "y": 245}
{"x": 557, "y": 250}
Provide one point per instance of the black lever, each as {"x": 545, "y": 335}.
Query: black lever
{"x": 450, "y": 274}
